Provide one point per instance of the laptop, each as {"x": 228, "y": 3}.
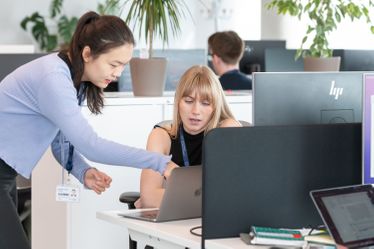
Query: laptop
{"x": 181, "y": 200}
{"x": 348, "y": 213}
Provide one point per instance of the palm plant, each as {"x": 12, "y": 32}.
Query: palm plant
{"x": 325, "y": 15}
{"x": 153, "y": 17}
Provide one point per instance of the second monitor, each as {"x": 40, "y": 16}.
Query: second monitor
{"x": 179, "y": 60}
{"x": 253, "y": 59}
{"x": 307, "y": 98}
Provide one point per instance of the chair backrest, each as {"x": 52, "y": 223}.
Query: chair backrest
{"x": 24, "y": 201}
{"x": 23, "y": 183}
{"x": 168, "y": 121}
{"x": 165, "y": 122}
{"x": 244, "y": 123}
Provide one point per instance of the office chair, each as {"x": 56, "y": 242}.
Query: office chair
{"x": 130, "y": 198}
{"x": 24, "y": 203}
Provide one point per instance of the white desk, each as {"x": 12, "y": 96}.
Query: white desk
{"x": 230, "y": 243}
{"x": 166, "y": 235}
{"x": 169, "y": 235}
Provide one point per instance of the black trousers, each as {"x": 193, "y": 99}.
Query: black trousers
{"x": 12, "y": 235}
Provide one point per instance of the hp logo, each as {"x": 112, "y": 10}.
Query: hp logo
{"x": 335, "y": 91}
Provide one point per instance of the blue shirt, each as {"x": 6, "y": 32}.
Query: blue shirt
{"x": 235, "y": 80}
{"x": 38, "y": 103}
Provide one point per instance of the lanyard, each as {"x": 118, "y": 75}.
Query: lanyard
{"x": 69, "y": 163}
{"x": 184, "y": 148}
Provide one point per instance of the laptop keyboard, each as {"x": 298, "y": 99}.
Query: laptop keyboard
{"x": 149, "y": 214}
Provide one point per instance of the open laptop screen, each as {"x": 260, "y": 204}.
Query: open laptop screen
{"x": 348, "y": 213}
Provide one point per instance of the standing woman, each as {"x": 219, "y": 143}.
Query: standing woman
{"x": 40, "y": 106}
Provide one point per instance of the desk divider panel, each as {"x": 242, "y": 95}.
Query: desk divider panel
{"x": 263, "y": 175}
{"x": 10, "y": 62}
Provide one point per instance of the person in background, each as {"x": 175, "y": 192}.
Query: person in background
{"x": 199, "y": 106}
{"x": 226, "y": 49}
{"x": 40, "y": 105}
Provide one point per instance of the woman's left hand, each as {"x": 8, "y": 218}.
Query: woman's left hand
{"x": 169, "y": 168}
{"x": 96, "y": 180}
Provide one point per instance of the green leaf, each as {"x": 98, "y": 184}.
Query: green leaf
{"x": 304, "y": 39}
{"x": 51, "y": 42}
{"x": 298, "y": 53}
{"x": 110, "y": 7}
{"x": 55, "y": 7}
{"x": 338, "y": 17}
{"x": 24, "y": 22}
{"x": 66, "y": 27}
{"x": 307, "y": 6}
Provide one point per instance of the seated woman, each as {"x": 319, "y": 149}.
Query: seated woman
{"x": 199, "y": 106}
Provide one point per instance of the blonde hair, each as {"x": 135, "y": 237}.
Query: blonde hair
{"x": 202, "y": 81}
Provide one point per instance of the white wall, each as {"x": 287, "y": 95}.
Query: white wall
{"x": 242, "y": 16}
{"x": 247, "y": 17}
{"x": 12, "y": 13}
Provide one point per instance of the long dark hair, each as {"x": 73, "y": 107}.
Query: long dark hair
{"x": 100, "y": 33}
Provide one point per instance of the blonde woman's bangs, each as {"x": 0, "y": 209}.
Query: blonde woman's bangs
{"x": 201, "y": 86}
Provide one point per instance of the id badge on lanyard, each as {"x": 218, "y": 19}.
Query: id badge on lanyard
{"x": 66, "y": 191}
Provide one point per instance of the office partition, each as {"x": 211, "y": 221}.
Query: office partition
{"x": 10, "y": 62}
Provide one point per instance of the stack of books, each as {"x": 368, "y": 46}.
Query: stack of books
{"x": 288, "y": 237}
{"x": 273, "y": 236}
{"x": 321, "y": 240}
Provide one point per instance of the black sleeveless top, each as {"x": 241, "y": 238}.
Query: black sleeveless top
{"x": 194, "y": 145}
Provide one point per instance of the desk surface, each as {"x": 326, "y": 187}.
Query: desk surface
{"x": 175, "y": 231}
{"x": 230, "y": 243}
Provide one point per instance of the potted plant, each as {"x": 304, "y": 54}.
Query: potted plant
{"x": 153, "y": 18}
{"x": 325, "y": 15}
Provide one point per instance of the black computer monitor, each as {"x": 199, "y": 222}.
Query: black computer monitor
{"x": 282, "y": 60}
{"x": 10, "y": 62}
{"x": 254, "y": 55}
{"x": 307, "y": 98}
{"x": 357, "y": 60}
{"x": 179, "y": 60}
{"x": 262, "y": 175}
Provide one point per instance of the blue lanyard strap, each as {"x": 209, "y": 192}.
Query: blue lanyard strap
{"x": 69, "y": 163}
{"x": 184, "y": 148}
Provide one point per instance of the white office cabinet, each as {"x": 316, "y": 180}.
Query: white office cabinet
{"x": 125, "y": 119}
